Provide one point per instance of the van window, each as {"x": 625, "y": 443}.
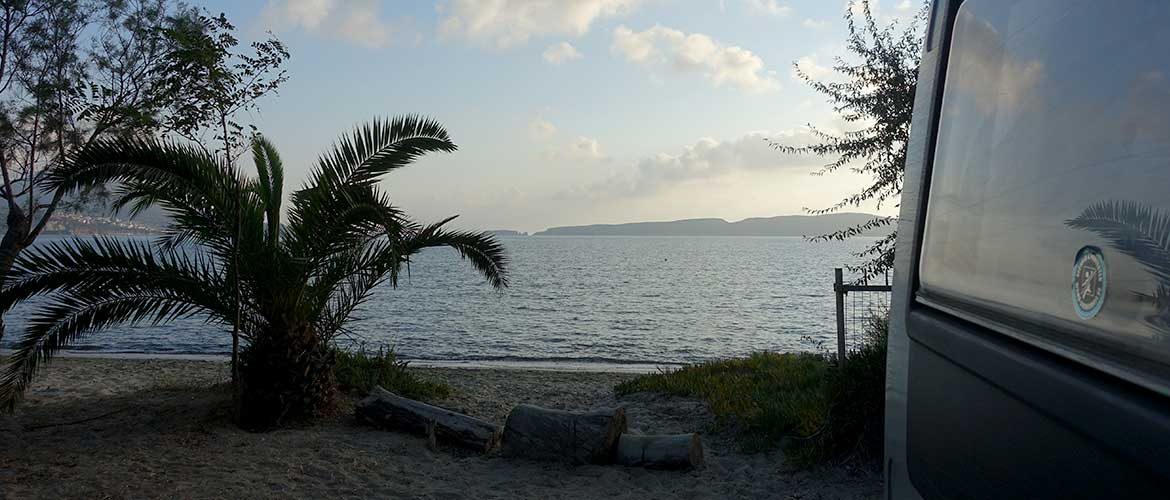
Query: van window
{"x": 1050, "y": 188}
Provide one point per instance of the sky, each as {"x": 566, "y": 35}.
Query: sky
{"x": 566, "y": 111}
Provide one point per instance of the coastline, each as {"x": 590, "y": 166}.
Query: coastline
{"x": 522, "y": 365}
{"x": 158, "y": 428}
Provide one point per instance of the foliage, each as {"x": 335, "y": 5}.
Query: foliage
{"x": 359, "y": 371}
{"x": 802, "y": 402}
{"x": 70, "y": 72}
{"x": 876, "y": 93}
{"x": 766, "y": 395}
{"x": 212, "y": 81}
{"x": 73, "y": 72}
{"x": 209, "y": 82}
{"x": 300, "y": 280}
{"x": 857, "y": 391}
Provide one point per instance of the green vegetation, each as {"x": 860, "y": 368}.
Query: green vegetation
{"x": 873, "y": 90}
{"x": 287, "y": 281}
{"x": 802, "y": 402}
{"x": 359, "y": 371}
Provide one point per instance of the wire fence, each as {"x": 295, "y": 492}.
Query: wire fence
{"x": 858, "y": 306}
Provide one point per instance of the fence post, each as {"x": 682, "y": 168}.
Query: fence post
{"x": 839, "y": 291}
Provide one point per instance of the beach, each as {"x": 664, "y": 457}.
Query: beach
{"x": 159, "y": 428}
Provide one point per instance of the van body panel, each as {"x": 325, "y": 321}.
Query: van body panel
{"x": 1009, "y": 375}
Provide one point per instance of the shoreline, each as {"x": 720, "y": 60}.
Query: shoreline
{"x": 533, "y": 365}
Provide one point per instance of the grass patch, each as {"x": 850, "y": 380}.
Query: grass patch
{"x": 765, "y": 396}
{"x": 359, "y": 371}
{"x": 802, "y": 402}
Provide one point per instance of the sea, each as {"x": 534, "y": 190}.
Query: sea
{"x": 633, "y": 303}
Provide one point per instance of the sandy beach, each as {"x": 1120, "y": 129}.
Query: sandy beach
{"x": 158, "y": 428}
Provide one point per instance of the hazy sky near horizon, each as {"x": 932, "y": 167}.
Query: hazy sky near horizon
{"x": 567, "y": 111}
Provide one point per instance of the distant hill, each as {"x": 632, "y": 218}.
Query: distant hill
{"x": 506, "y": 232}
{"x": 784, "y": 225}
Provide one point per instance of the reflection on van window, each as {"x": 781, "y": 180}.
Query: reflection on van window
{"x": 1050, "y": 110}
{"x": 1143, "y": 234}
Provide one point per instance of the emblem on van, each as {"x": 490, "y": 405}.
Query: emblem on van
{"x": 1089, "y": 282}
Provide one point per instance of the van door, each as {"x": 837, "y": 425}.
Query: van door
{"x": 1030, "y": 349}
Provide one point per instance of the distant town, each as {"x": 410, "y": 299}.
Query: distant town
{"x": 73, "y": 223}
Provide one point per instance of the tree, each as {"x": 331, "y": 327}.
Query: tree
{"x": 70, "y": 72}
{"x": 301, "y": 279}
{"x": 876, "y": 92}
{"x": 209, "y": 83}
{"x": 212, "y": 81}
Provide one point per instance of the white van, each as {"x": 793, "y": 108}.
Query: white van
{"x": 1030, "y": 330}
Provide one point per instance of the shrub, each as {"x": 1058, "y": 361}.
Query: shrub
{"x": 359, "y": 371}
{"x": 765, "y": 396}
{"x": 807, "y": 404}
{"x": 856, "y": 417}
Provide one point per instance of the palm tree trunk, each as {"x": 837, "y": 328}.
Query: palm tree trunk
{"x": 286, "y": 377}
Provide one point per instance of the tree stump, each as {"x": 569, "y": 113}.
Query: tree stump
{"x": 563, "y": 436}
{"x": 388, "y": 410}
{"x": 680, "y": 451}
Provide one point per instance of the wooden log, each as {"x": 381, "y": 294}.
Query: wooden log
{"x": 388, "y": 410}
{"x": 563, "y": 436}
{"x": 681, "y": 451}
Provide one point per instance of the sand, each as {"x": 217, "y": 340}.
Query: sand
{"x": 119, "y": 428}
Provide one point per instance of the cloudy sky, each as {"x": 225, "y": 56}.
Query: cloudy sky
{"x": 566, "y": 111}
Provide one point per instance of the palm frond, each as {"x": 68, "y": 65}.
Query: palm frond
{"x": 1136, "y": 230}
{"x": 322, "y": 223}
{"x": 202, "y": 194}
{"x": 340, "y": 292}
{"x": 107, "y": 265}
{"x": 482, "y": 249}
{"x": 72, "y": 315}
{"x": 270, "y": 185}
{"x": 376, "y": 148}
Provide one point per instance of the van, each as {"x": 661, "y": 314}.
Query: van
{"x": 1029, "y": 352}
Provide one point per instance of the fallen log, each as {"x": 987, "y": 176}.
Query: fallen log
{"x": 680, "y": 451}
{"x": 563, "y": 436}
{"x": 388, "y": 410}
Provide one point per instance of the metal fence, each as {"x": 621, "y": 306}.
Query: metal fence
{"x": 857, "y": 306}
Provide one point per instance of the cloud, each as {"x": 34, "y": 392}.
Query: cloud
{"x": 540, "y": 129}
{"x": 560, "y": 53}
{"x": 695, "y": 52}
{"x": 507, "y": 23}
{"x": 355, "y": 21}
{"x": 814, "y": 24}
{"x": 580, "y": 149}
{"x": 771, "y": 7}
{"x": 903, "y": 12}
{"x": 810, "y": 67}
{"x": 586, "y": 147}
{"x": 706, "y": 159}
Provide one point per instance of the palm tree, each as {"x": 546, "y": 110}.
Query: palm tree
{"x": 288, "y": 288}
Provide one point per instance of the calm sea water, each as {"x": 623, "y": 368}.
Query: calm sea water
{"x": 619, "y": 300}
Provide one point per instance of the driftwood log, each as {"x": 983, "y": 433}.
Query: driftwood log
{"x": 388, "y": 410}
{"x": 680, "y": 451}
{"x": 563, "y": 436}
